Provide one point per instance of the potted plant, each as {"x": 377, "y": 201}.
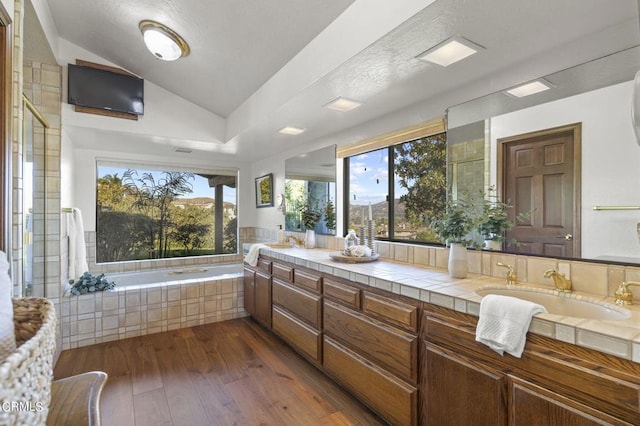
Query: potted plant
{"x": 310, "y": 216}
{"x": 330, "y": 216}
{"x": 494, "y": 221}
{"x": 454, "y": 228}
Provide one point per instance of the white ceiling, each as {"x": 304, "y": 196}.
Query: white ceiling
{"x": 257, "y": 64}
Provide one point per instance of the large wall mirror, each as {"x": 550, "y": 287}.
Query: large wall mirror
{"x": 33, "y": 201}
{"x": 310, "y": 182}
{"x": 567, "y": 156}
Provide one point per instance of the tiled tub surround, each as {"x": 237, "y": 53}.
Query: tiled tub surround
{"x": 420, "y": 272}
{"x": 137, "y": 310}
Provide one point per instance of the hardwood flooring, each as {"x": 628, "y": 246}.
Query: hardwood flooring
{"x": 227, "y": 373}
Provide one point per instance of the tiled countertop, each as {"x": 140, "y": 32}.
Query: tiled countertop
{"x": 620, "y": 337}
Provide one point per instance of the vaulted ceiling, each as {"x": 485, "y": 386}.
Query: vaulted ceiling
{"x": 265, "y": 64}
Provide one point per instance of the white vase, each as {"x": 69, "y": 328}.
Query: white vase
{"x": 458, "y": 262}
{"x": 492, "y": 245}
{"x": 310, "y": 239}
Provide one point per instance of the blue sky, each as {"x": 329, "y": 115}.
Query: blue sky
{"x": 369, "y": 174}
{"x": 200, "y": 184}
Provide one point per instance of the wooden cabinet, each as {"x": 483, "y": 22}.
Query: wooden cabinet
{"x": 371, "y": 348}
{"x": 262, "y": 298}
{"x": 460, "y": 391}
{"x": 532, "y": 405}
{"x": 297, "y": 310}
{"x": 553, "y": 383}
{"x": 249, "y": 284}
{"x": 392, "y": 398}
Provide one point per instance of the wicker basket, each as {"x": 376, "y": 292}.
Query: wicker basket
{"x": 26, "y": 375}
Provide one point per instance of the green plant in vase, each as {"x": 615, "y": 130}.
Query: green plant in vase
{"x": 310, "y": 215}
{"x": 330, "y": 216}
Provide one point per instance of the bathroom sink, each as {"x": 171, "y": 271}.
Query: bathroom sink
{"x": 564, "y": 304}
{"x": 279, "y": 245}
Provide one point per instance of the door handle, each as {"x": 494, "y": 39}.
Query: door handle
{"x": 567, "y": 237}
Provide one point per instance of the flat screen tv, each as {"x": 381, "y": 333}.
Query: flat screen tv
{"x": 96, "y": 88}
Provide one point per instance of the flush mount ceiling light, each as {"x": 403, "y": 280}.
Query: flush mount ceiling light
{"x": 289, "y": 130}
{"x": 536, "y": 86}
{"x": 450, "y": 51}
{"x": 343, "y": 104}
{"x": 162, "y": 41}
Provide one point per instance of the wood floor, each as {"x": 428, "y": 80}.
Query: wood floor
{"x": 227, "y": 373}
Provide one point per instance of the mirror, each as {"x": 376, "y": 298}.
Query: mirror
{"x": 487, "y": 146}
{"x": 33, "y": 201}
{"x": 310, "y": 179}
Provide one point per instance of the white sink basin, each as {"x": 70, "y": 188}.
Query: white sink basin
{"x": 561, "y": 303}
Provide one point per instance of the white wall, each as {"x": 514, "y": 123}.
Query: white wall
{"x": 610, "y": 162}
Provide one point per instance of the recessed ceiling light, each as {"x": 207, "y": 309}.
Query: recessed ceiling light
{"x": 450, "y": 51}
{"x": 162, "y": 41}
{"x": 530, "y": 88}
{"x": 289, "y": 130}
{"x": 343, "y": 104}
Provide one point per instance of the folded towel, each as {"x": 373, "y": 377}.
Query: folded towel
{"x": 252, "y": 257}
{"x": 7, "y": 335}
{"x": 77, "y": 248}
{"x": 504, "y": 322}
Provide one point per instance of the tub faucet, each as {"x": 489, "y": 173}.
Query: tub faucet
{"x": 561, "y": 282}
{"x": 511, "y": 276}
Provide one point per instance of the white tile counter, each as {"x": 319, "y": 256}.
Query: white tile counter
{"x": 433, "y": 285}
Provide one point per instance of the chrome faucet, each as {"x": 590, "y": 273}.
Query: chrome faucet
{"x": 560, "y": 280}
{"x": 623, "y": 294}
{"x": 511, "y": 276}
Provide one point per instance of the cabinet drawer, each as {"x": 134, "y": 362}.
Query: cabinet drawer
{"x": 303, "y": 304}
{"x": 309, "y": 281}
{"x": 390, "y": 310}
{"x": 383, "y": 344}
{"x": 302, "y": 337}
{"x": 390, "y": 397}
{"x": 342, "y": 293}
{"x": 264, "y": 265}
{"x": 282, "y": 271}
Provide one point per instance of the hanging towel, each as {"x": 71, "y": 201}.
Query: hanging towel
{"x": 7, "y": 334}
{"x": 77, "y": 248}
{"x": 252, "y": 257}
{"x": 504, "y": 322}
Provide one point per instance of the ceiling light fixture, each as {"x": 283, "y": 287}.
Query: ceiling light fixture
{"x": 289, "y": 130}
{"x": 162, "y": 41}
{"x": 343, "y": 104}
{"x": 536, "y": 86}
{"x": 450, "y": 51}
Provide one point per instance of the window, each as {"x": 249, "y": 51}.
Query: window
{"x": 144, "y": 212}
{"x": 403, "y": 184}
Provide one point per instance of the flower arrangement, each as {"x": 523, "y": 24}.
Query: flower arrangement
{"x": 459, "y": 220}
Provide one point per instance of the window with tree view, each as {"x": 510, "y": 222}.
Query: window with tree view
{"x": 152, "y": 213}
{"x": 403, "y": 205}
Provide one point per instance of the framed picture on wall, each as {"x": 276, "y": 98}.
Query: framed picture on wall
{"x": 264, "y": 191}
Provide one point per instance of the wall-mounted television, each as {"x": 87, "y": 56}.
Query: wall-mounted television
{"x": 106, "y": 90}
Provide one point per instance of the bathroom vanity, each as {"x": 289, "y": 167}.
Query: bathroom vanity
{"x": 411, "y": 355}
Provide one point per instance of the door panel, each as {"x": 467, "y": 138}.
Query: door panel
{"x": 540, "y": 178}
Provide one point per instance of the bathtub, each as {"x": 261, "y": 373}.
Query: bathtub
{"x": 176, "y": 275}
{"x": 153, "y": 301}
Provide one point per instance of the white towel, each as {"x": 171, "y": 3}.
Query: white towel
{"x": 252, "y": 257}
{"x": 77, "y": 248}
{"x": 504, "y": 322}
{"x": 7, "y": 335}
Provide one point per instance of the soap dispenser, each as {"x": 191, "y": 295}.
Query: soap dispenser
{"x": 280, "y": 235}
